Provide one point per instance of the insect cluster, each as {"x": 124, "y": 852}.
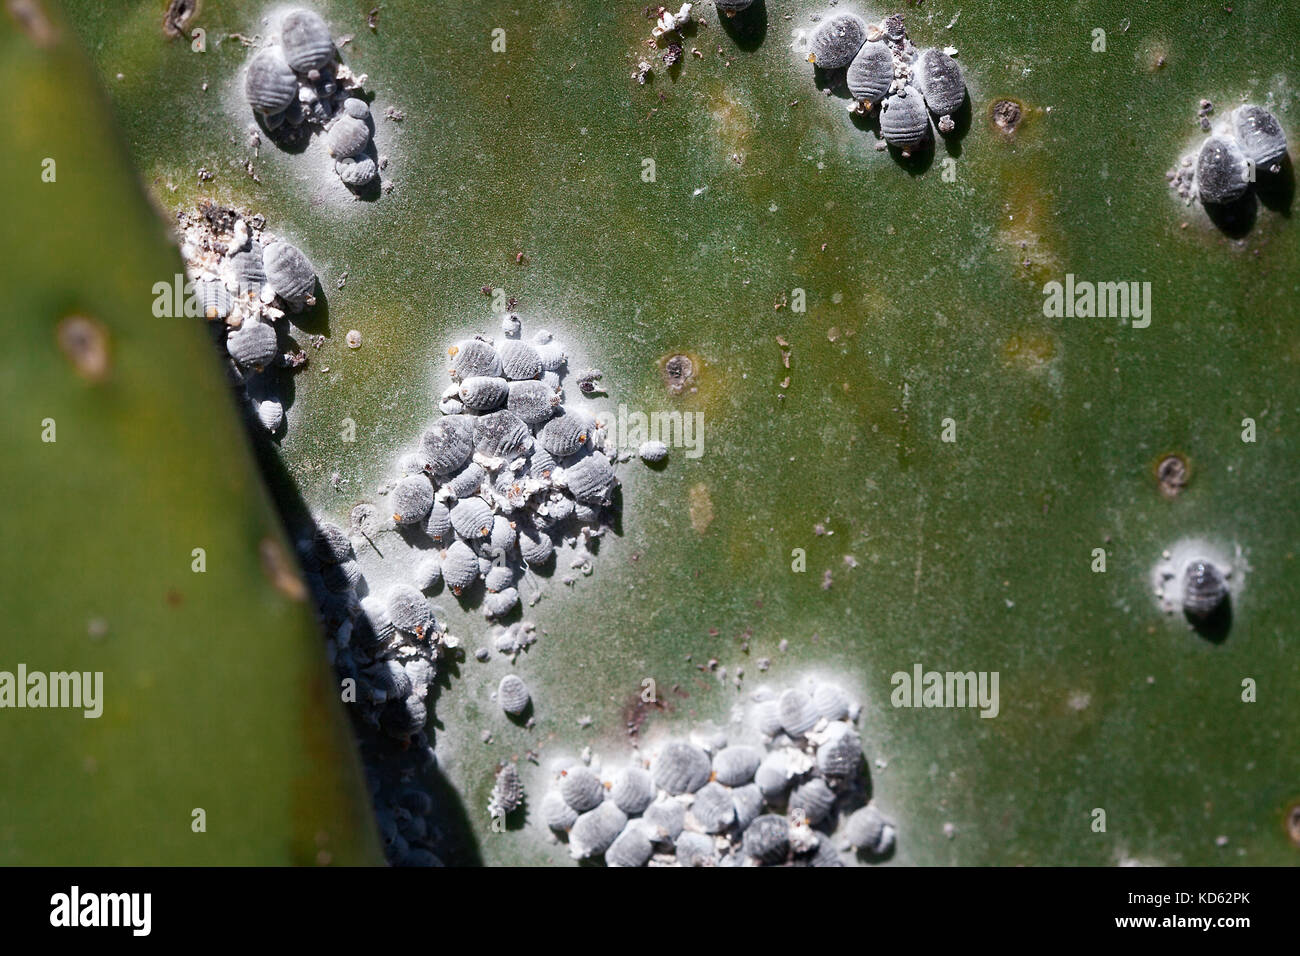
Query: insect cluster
{"x": 245, "y": 281}
{"x": 1229, "y": 161}
{"x": 881, "y": 67}
{"x": 298, "y": 85}
{"x": 790, "y": 791}
{"x": 507, "y": 473}
{"x": 386, "y": 648}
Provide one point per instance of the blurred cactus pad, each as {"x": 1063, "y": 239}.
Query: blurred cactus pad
{"x": 905, "y": 461}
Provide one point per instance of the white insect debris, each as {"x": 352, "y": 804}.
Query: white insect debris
{"x": 668, "y": 22}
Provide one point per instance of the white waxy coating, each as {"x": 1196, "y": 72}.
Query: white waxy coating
{"x": 798, "y": 715}
{"x": 252, "y": 345}
{"x": 566, "y": 434}
{"x": 767, "y": 717}
{"x": 330, "y": 544}
{"x": 871, "y": 73}
{"x": 773, "y": 775}
{"x": 356, "y": 107}
{"x": 428, "y": 572}
{"x": 695, "y": 849}
{"x": 652, "y": 452}
{"x": 500, "y": 603}
{"x": 940, "y": 81}
{"x": 483, "y": 393}
{"x": 840, "y": 755}
{"x": 448, "y": 444}
{"x": 1259, "y": 134}
{"x": 507, "y": 791}
{"x": 836, "y": 41}
{"x": 472, "y": 518}
{"x": 581, "y": 788}
{"x": 1222, "y": 172}
{"x": 512, "y": 695}
{"x": 632, "y": 790}
{"x": 459, "y": 566}
{"x": 666, "y": 817}
{"x": 472, "y": 357}
{"x": 735, "y": 765}
{"x": 356, "y": 171}
{"x": 533, "y": 401}
{"x": 468, "y": 481}
{"x": 767, "y": 839}
{"x": 713, "y": 809}
{"x": 501, "y": 434}
{"x": 408, "y": 609}
{"x": 289, "y": 272}
{"x": 591, "y": 480}
{"x": 519, "y": 360}
{"x": 271, "y": 414}
{"x": 438, "y": 527}
{"x": 904, "y": 121}
{"x": 830, "y": 701}
{"x": 269, "y": 84}
{"x": 306, "y": 40}
{"x": 499, "y": 578}
{"x": 376, "y": 614}
{"x": 631, "y": 848}
{"x": 596, "y": 830}
{"x": 748, "y": 802}
{"x": 681, "y": 768}
{"x": 536, "y": 547}
{"x": 347, "y": 137}
{"x": 557, "y": 814}
{"x": 412, "y": 499}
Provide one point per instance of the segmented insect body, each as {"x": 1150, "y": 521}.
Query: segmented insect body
{"x": 438, "y": 527}
{"x": 557, "y": 814}
{"x": 767, "y": 717}
{"x": 591, "y": 479}
{"x": 596, "y": 830}
{"x": 1222, "y": 173}
{"x": 376, "y": 619}
{"x": 213, "y": 299}
{"x": 631, "y": 848}
{"x": 356, "y": 171}
{"x": 472, "y": 518}
{"x": 330, "y": 544}
{"x": 512, "y": 695}
{"x": 632, "y": 790}
{"x": 840, "y": 755}
{"x": 482, "y": 393}
{"x": 252, "y": 345}
{"x": 681, "y": 768}
{"x": 501, "y": 434}
{"x": 566, "y": 434}
{"x": 428, "y": 572}
{"x": 713, "y": 808}
{"x": 830, "y": 702}
{"x": 767, "y": 839}
{"x": 499, "y": 578}
{"x": 652, "y": 452}
{"x": 347, "y": 136}
{"x": 814, "y": 798}
{"x": 271, "y": 414}
{"x": 903, "y": 121}
{"x": 412, "y": 499}
{"x": 1204, "y": 589}
{"x": 836, "y": 41}
{"x": 866, "y": 829}
{"x": 942, "y": 86}
{"x": 472, "y": 357}
{"x": 748, "y": 803}
{"x": 468, "y": 481}
{"x": 507, "y": 791}
{"x": 356, "y": 107}
{"x": 270, "y": 86}
{"x": 666, "y": 817}
{"x": 773, "y": 775}
{"x": 247, "y": 270}
{"x": 459, "y": 567}
{"x": 408, "y": 609}
{"x": 306, "y": 40}
{"x": 289, "y": 272}
{"x": 798, "y": 715}
{"x": 1259, "y": 135}
{"x": 735, "y": 765}
{"x": 448, "y": 444}
{"x": 535, "y": 547}
{"x": 500, "y": 603}
{"x": 532, "y": 400}
{"x": 695, "y": 849}
{"x": 871, "y": 73}
{"x": 519, "y": 360}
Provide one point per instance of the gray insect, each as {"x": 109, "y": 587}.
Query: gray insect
{"x": 666, "y": 818}
{"x": 459, "y": 567}
{"x": 247, "y": 270}
{"x": 472, "y": 518}
{"x": 840, "y": 755}
{"x": 559, "y": 509}
{"x": 695, "y": 849}
{"x": 588, "y": 380}
{"x": 940, "y": 81}
{"x": 532, "y": 400}
{"x": 501, "y": 434}
{"x": 307, "y": 44}
{"x": 213, "y": 299}
{"x": 596, "y": 830}
{"x": 356, "y": 171}
{"x": 507, "y": 792}
{"x": 836, "y": 41}
{"x": 448, "y": 444}
{"x": 713, "y": 809}
{"x": 825, "y": 855}
{"x": 512, "y": 695}
{"x": 499, "y": 578}
{"x": 773, "y": 775}
{"x": 1204, "y": 589}
{"x": 541, "y": 464}
{"x": 341, "y": 577}
{"x": 830, "y": 702}
{"x": 503, "y": 536}
{"x": 347, "y": 136}
{"x": 681, "y": 768}
{"x": 500, "y": 603}
{"x": 748, "y": 803}
{"x": 735, "y": 765}
{"x": 904, "y": 122}
{"x": 356, "y": 107}
{"x": 632, "y": 790}
{"x": 798, "y": 715}
{"x": 252, "y": 345}
{"x": 376, "y": 619}
{"x": 270, "y": 86}
{"x": 474, "y": 357}
{"x": 512, "y": 492}
{"x": 1260, "y": 136}
{"x": 271, "y": 414}
{"x": 591, "y": 480}
{"x": 581, "y": 788}
{"x": 767, "y": 839}
{"x": 652, "y": 452}
{"x": 330, "y": 544}
{"x": 412, "y": 499}
{"x": 566, "y": 434}
{"x": 552, "y": 355}
{"x": 867, "y": 830}
{"x": 290, "y": 273}
{"x": 1222, "y": 172}
{"x": 483, "y": 393}
{"x": 535, "y": 547}
{"x": 557, "y": 814}
{"x": 438, "y": 527}
{"x": 428, "y": 572}
{"x": 871, "y": 73}
{"x": 767, "y": 717}
{"x": 390, "y": 679}
{"x": 519, "y": 360}
{"x": 408, "y": 610}
{"x": 468, "y": 481}
{"x": 511, "y": 326}
{"x": 631, "y": 848}
{"x": 814, "y": 799}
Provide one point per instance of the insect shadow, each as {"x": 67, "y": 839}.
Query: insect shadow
{"x": 1234, "y": 219}
{"x": 1215, "y": 626}
{"x": 748, "y": 27}
{"x": 1277, "y": 190}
